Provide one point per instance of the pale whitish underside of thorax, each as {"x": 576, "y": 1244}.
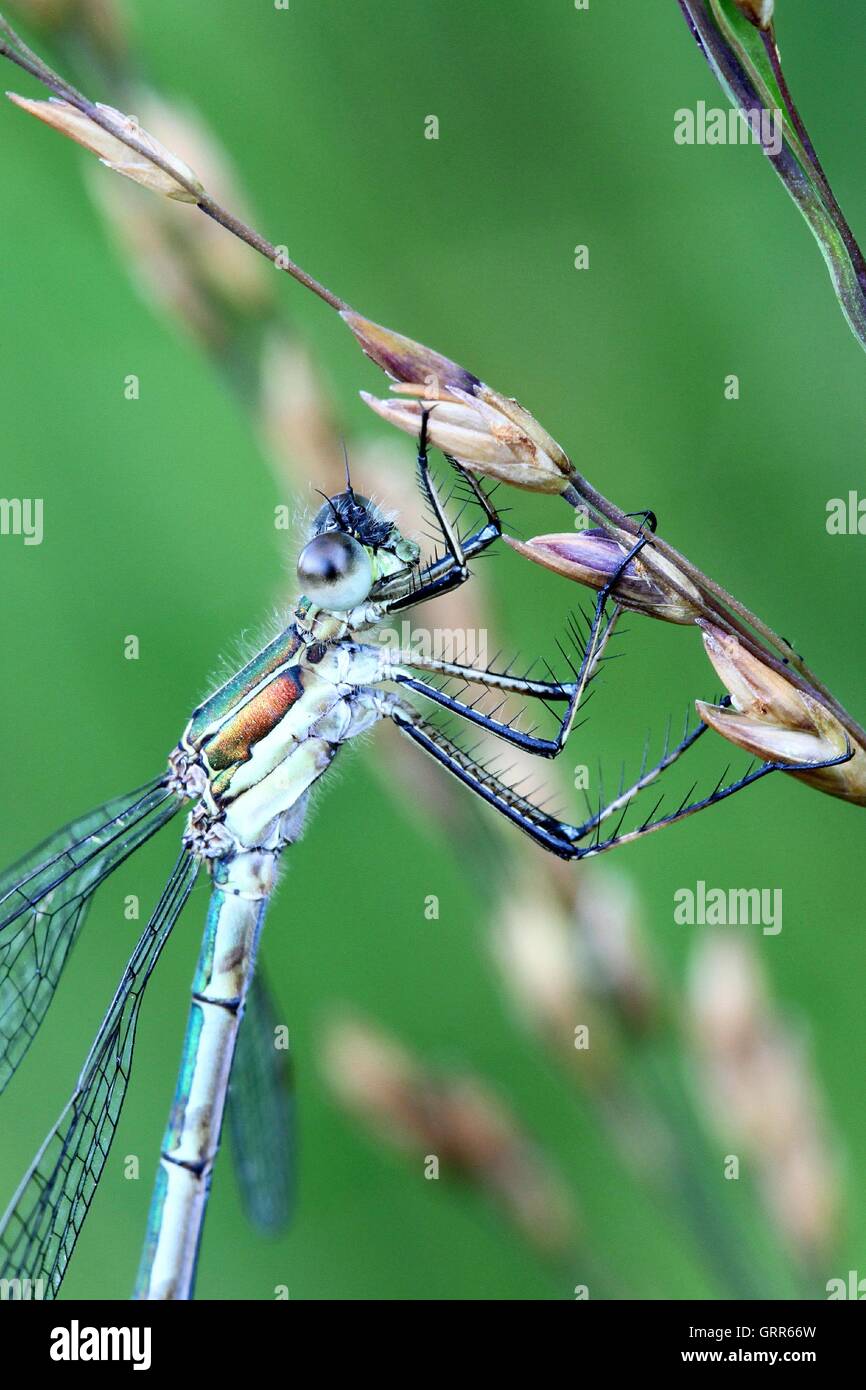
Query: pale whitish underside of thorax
{"x": 242, "y": 799}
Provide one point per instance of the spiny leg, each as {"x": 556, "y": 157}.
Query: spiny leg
{"x": 600, "y": 632}
{"x": 429, "y": 492}
{"x": 450, "y": 570}
{"x": 570, "y": 691}
{"x": 546, "y": 830}
{"x": 687, "y": 807}
{"x": 690, "y": 808}
{"x": 532, "y": 743}
{"x": 557, "y": 836}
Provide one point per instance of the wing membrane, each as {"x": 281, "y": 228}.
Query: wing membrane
{"x": 261, "y": 1115}
{"x": 43, "y": 901}
{"x": 41, "y": 1225}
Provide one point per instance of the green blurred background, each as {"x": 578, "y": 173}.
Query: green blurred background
{"x": 556, "y": 128}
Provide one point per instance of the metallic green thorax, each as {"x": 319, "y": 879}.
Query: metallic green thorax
{"x": 255, "y": 747}
{"x": 213, "y": 713}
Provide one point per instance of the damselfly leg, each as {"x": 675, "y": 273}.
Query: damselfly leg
{"x": 560, "y": 837}
{"x": 450, "y": 570}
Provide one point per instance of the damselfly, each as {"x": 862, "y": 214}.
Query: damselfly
{"x": 244, "y": 768}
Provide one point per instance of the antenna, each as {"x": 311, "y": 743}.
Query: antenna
{"x": 349, "y": 488}
{"x": 330, "y": 502}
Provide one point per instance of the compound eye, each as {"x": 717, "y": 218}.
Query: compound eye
{"x": 335, "y": 572}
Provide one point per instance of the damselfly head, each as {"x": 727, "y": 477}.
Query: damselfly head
{"x": 356, "y": 516}
{"x": 352, "y": 545}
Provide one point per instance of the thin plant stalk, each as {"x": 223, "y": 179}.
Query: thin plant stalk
{"x": 720, "y": 606}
